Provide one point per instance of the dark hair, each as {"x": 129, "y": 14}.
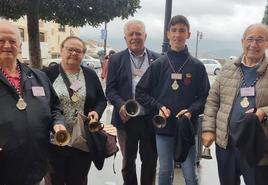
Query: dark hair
{"x": 179, "y": 19}
{"x": 74, "y": 37}
{"x": 111, "y": 52}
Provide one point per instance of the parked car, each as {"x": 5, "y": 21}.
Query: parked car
{"x": 212, "y": 66}
{"x": 94, "y": 61}
{"x": 88, "y": 61}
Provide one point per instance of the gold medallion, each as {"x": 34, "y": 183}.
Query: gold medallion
{"x": 75, "y": 97}
{"x": 21, "y": 104}
{"x": 175, "y": 85}
{"x": 244, "y": 103}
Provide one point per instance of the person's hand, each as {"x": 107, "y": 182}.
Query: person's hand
{"x": 164, "y": 112}
{"x": 184, "y": 112}
{"x": 58, "y": 127}
{"x": 93, "y": 115}
{"x": 208, "y": 138}
{"x": 259, "y": 113}
{"x": 123, "y": 114}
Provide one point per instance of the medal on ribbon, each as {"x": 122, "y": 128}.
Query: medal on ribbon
{"x": 175, "y": 85}
{"x": 244, "y": 103}
{"x": 21, "y": 104}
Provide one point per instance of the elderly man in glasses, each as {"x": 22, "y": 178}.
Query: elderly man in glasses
{"x": 240, "y": 89}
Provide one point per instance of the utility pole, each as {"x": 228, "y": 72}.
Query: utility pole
{"x": 168, "y": 11}
{"x": 199, "y": 36}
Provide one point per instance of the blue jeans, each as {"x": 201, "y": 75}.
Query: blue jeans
{"x": 165, "y": 147}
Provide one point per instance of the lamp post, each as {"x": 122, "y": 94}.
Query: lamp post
{"x": 105, "y": 38}
{"x": 199, "y": 36}
{"x": 168, "y": 10}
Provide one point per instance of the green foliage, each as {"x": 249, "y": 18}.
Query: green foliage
{"x": 265, "y": 17}
{"x": 72, "y": 12}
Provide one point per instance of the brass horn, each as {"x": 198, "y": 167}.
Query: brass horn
{"x": 132, "y": 108}
{"x": 206, "y": 153}
{"x": 159, "y": 121}
{"x": 94, "y": 125}
{"x": 62, "y": 138}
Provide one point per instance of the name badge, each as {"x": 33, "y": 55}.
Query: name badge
{"x": 247, "y": 91}
{"x": 38, "y": 91}
{"x": 176, "y": 76}
{"x": 76, "y": 85}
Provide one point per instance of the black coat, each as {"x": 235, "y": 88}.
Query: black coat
{"x": 95, "y": 99}
{"x": 183, "y": 139}
{"x": 249, "y": 138}
{"x": 25, "y": 147}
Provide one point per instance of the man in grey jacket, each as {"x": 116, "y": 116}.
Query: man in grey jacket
{"x": 240, "y": 87}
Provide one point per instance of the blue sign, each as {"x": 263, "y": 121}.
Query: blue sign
{"x": 103, "y": 34}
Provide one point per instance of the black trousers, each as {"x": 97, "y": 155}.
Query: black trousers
{"x": 22, "y": 166}
{"x": 231, "y": 165}
{"x": 137, "y": 136}
{"x": 69, "y": 166}
{"x": 261, "y": 175}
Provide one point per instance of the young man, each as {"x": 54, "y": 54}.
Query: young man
{"x": 241, "y": 87}
{"x": 134, "y": 133}
{"x": 175, "y": 84}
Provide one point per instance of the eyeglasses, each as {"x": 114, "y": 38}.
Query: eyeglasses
{"x": 258, "y": 40}
{"x": 72, "y": 50}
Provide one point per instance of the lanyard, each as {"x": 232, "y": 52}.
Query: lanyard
{"x": 17, "y": 87}
{"x": 182, "y": 66}
{"x": 66, "y": 81}
{"x": 243, "y": 79}
{"x": 140, "y": 60}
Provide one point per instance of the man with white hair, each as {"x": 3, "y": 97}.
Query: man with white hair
{"x": 240, "y": 90}
{"x": 124, "y": 72}
{"x": 29, "y": 110}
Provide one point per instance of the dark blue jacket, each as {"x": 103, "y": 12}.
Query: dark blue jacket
{"x": 23, "y": 159}
{"x": 119, "y": 81}
{"x": 154, "y": 89}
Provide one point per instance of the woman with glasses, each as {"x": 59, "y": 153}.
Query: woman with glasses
{"x": 79, "y": 90}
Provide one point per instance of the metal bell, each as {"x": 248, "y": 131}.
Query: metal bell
{"x": 62, "y": 138}
{"x": 206, "y": 153}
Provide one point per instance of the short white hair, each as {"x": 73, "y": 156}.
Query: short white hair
{"x": 134, "y": 21}
{"x": 16, "y": 29}
{"x": 257, "y": 25}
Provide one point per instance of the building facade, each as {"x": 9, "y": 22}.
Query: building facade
{"x": 51, "y": 35}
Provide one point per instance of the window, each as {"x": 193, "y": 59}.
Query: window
{"x": 42, "y": 37}
{"x": 21, "y": 34}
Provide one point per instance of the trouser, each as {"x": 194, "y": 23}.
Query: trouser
{"x": 69, "y": 166}
{"x": 22, "y": 166}
{"x": 138, "y": 135}
{"x": 231, "y": 165}
{"x": 165, "y": 150}
{"x": 261, "y": 175}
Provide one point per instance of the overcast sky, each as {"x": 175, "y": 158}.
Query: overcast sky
{"x": 222, "y": 23}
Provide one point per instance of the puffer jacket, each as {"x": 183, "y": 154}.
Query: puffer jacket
{"x": 222, "y": 96}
